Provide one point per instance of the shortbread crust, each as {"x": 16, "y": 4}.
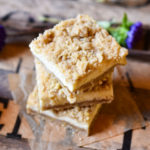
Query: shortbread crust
{"x": 52, "y": 95}
{"x": 77, "y": 51}
{"x": 80, "y": 117}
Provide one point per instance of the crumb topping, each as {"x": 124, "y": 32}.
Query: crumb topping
{"x": 82, "y": 114}
{"x": 51, "y": 91}
{"x": 78, "y": 46}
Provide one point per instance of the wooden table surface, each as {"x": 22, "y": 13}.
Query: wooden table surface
{"x": 137, "y": 74}
{"x": 14, "y": 57}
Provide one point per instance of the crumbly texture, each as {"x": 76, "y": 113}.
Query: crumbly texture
{"x": 49, "y": 89}
{"x": 82, "y": 115}
{"x": 52, "y": 93}
{"x": 78, "y": 47}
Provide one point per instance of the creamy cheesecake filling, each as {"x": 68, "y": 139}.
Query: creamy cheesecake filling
{"x": 95, "y": 87}
{"x": 51, "y": 93}
{"x": 80, "y": 117}
{"x": 77, "y": 51}
{"x": 83, "y": 81}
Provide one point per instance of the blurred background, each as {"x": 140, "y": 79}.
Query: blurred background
{"x": 22, "y": 18}
{"x": 99, "y": 9}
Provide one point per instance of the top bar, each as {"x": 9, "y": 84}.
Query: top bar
{"x": 77, "y": 51}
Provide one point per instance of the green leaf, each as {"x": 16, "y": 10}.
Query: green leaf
{"x": 125, "y": 22}
{"x": 120, "y": 34}
{"x": 105, "y": 24}
{"x": 48, "y": 19}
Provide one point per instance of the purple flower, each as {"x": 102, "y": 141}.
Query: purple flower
{"x": 134, "y": 34}
{"x": 2, "y": 37}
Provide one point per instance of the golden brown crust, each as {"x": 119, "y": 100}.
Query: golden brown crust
{"x": 81, "y": 104}
{"x": 52, "y": 95}
{"x": 78, "y": 47}
{"x": 50, "y": 91}
{"x": 80, "y": 114}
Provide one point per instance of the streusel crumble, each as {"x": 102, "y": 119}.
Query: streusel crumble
{"x": 52, "y": 94}
{"x": 77, "y": 51}
{"x": 80, "y": 117}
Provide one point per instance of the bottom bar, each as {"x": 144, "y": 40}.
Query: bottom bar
{"x": 80, "y": 117}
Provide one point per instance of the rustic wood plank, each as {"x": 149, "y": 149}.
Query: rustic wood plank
{"x": 114, "y": 143}
{"x": 10, "y": 114}
{"x": 10, "y": 56}
{"x": 27, "y": 61}
{"x": 4, "y": 87}
{"x": 11, "y": 144}
{"x": 140, "y": 139}
{"x": 139, "y": 73}
{"x": 25, "y": 129}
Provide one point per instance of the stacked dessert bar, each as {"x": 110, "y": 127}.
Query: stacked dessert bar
{"x": 74, "y": 64}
